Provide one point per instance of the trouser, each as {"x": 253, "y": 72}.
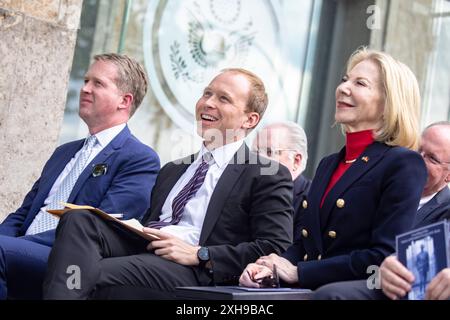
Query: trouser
{"x": 92, "y": 254}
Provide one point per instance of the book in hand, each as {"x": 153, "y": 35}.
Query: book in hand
{"x": 424, "y": 251}
{"x": 132, "y": 224}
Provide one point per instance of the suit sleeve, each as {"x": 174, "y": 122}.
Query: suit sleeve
{"x": 270, "y": 219}
{"x": 130, "y": 190}
{"x": 402, "y": 187}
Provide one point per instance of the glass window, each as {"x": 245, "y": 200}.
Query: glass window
{"x": 182, "y": 45}
{"x": 436, "y": 98}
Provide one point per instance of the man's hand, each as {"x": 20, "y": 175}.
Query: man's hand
{"x": 172, "y": 248}
{"x": 396, "y": 279}
{"x": 439, "y": 287}
{"x": 286, "y": 270}
{"x": 253, "y": 274}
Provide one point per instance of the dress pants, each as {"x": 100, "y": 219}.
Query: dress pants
{"x": 348, "y": 290}
{"x": 22, "y": 267}
{"x": 108, "y": 256}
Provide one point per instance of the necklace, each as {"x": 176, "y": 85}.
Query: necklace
{"x": 350, "y": 161}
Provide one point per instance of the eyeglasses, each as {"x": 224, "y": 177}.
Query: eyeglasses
{"x": 269, "y": 152}
{"x": 431, "y": 158}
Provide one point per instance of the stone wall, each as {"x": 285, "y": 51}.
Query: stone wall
{"x": 36, "y": 51}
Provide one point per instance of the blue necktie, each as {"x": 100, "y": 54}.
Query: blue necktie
{"x": 45, "y": 221}
{"x": 188, "y": 191}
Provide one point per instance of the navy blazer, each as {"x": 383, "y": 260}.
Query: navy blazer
{"x": 375, "y": 199}
{"x": 434, "y": 210}
{"x": 124, "y": 188}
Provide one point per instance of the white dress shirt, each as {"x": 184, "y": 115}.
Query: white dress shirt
{"x": 190, "y": 225}
{"x": 103, "y": 139}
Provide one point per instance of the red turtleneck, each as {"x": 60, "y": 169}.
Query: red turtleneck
{"x": 356, "y": 143}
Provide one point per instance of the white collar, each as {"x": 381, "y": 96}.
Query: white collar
{"x": 222, "y": 155}
{"x": 106, "y": 136}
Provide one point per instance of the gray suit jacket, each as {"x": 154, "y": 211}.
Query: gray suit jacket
{"x": 434, "y": 210}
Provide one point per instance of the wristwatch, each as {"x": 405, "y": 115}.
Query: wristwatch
{"x": 203, "y": 256}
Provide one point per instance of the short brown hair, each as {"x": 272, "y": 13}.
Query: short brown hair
{"x": 131, "y": 76}
{"x": 257, "y": 100}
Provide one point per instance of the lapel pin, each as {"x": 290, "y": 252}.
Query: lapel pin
{"x": 99, "y": 169}
{"x": 365, "y": 159}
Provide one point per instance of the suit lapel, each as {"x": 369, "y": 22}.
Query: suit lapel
{"x": 163, "y": 191}
{"x": 54, "y": 170}
{"x": 223, "y": 188}
{"x": 372, "y": 155}
{"x": 428, "y": 208}
{"x": 59, "y": 164}
{"x": 103, "y": 155}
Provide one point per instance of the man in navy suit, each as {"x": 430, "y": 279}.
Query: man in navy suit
{"x": 434, "y": 205}
{"x": 116, "y": 173}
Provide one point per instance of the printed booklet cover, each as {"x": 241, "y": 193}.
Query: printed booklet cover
{"x": 425, "y": 252}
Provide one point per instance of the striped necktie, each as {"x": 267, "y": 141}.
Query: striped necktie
{"x": 45, "y": 221}
{"x": 188, "y": 191}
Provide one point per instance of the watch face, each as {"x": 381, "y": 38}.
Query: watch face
{"x": 203, "y": 254}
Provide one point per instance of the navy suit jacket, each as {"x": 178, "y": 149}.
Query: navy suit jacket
{"x": 124, "y": 188}
{"x": 375, "y": 199}
{"x": 434, "y": 210}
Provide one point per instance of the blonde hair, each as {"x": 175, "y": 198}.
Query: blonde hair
{"x": 400, "y": 125}
{"x": 131, "y": 76}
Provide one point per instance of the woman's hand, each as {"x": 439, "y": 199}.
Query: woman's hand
{"x": 253, "y": 275}
{"x": 286, "y": 270}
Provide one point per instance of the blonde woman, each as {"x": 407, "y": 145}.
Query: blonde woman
{"x": 363, "y": 196}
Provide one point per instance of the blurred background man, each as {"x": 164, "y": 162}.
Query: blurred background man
{"x": 286, "y": 143}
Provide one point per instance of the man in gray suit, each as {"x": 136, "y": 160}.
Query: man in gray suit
{"x": 435, "y": 149}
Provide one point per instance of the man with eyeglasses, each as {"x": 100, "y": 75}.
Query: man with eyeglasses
{"x": 396, "y": 279}
{"x": 286, "y": 143}
{"x": 435, "y": 150}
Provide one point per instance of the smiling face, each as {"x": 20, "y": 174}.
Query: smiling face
{"x": 221, "y": 111}
{"x": 360, "y": 99}
{"x": 102, "y": 104}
